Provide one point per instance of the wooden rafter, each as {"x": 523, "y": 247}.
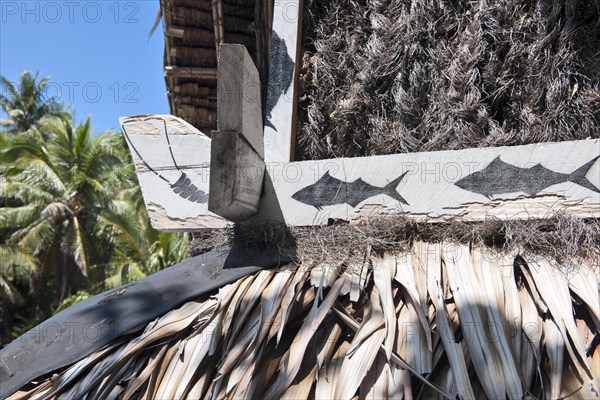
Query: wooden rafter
{"x": 217, "y": 10}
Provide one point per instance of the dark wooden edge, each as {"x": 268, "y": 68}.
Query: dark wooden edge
{"x": 86, "y": 327}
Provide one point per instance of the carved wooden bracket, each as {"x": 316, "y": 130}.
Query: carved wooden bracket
{"x": 520, "y": 182}
{"x": 237, "y": 148}
{"x": 253, "y": 179}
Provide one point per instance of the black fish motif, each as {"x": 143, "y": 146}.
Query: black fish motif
{"x": 329, "y": 190}
{"x": 500, "y": 177}
{"x": 184, "y": 186}
{"x": 281, "y": 75}
{"x": 186, "y": 189}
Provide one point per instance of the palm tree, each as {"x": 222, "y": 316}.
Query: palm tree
{"x": 139, "y": 250}
{"x": 26, "y": 103}
{"x": 71, "y": 209}
{"x": 53, "y": 195}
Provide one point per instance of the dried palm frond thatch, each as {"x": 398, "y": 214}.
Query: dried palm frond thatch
{"x": 395, "y": 76}
{"x": 439, "y": 321}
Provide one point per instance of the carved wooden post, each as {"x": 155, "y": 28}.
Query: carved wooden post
{"x": 237, "y": 149}
{"x": 171, "y": 160}
{"x": 281, "y": 104}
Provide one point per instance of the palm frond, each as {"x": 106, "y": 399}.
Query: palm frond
{"x": 21, "y": 148}
{"x": 38, "y": 173}
{"x": 80, "y": 247}
{"x": 122, "y": 220}
{"x": 9, "y": 292}
{"x": 17, "y": 262}
{"x": 122, "y": 274}
{"x": 280, "y": 334}
{"x": 35, "y": 237}
{"x": 18, "y": 217}
{"x": 24, "y": 192}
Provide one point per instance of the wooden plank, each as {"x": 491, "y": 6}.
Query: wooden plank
{"x": 172, "y": 162}
{"x": 173, "y": 71}
{"x": 238, "y": 95}
{"x": 282, "y": 96}
{"x": 237, "y": 147}
{"x": 520, "y": 182}
{"x": 236, "y": 178}
{"x": 86, "y": 327}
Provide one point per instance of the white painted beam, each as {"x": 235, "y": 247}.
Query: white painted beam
{"x": 280, "y": 119}
{"x": 519, "y": 182}
{"x": 172, "y": 162}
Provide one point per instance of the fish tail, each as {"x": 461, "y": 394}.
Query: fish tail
{"x": 270, "y": 125}
{"x": 578, "y": 176}
{"x": 390, "y": 189}
{"x": 187, "y": 190}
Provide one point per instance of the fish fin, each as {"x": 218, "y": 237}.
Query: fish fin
{"x": 496, "y": 160}
{"x": 578, "y": 176}
{"x": 390, "y": 189}
{"x": 270, "y": 125}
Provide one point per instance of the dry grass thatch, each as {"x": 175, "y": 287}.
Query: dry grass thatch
{"x": 391, "y": 308}
{"x": 560, "y": 236}
{"x": 439, "y": 321}
{"x": 395, "y": 76}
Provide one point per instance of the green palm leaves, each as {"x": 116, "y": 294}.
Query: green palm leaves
{"x": 27, "y": 102}
{"x": 71, "y": 211}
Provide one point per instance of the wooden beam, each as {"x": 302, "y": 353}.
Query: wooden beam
{"x": 237, "y": 147}
{"x": 175, "y": 32}
{"x": 236, "y": 179}
{"x": 217, "y": 12}
{"x": 169, "y": 80}
{"x": 172, "y": 162}
{"x": 191, "y": 72}
{"x": 238, "y": 95}
{"x": 282, "y": 96}
{"x": 520, "y": 182}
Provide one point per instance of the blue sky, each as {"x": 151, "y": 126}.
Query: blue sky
{"x": 96, "y": 52}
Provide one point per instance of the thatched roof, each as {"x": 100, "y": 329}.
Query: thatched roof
{"x": 393, "y": 308}
{"x": 192, "y": 31}
{"x": 439, "y": 321}
{"x": 382, "y": 77}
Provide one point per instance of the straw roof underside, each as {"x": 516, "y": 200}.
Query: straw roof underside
{"x": 191, "y": 56}
{"x": 440, "y": 321}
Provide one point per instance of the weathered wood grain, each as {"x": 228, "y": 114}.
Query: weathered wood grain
{"x": 175, "y": 192}
{"x": 281, "y": 100}
{"x": 237, "y": 148}
{"x": 239, "y": 101}
{"x": 532, "y": 181}
{"x": 236, "y": 178}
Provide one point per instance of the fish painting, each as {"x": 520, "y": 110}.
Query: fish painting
{"x": 329, "y": 191}
{"x": 183, "y": 187}
{"x": 500, "y": 177}
{"x": 281, "y": 75}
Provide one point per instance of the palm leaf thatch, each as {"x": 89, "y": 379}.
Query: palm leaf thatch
{"x": 400, "y": 310}
{"x": 397, "y": 76}
{"x": 440, "y": 320}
